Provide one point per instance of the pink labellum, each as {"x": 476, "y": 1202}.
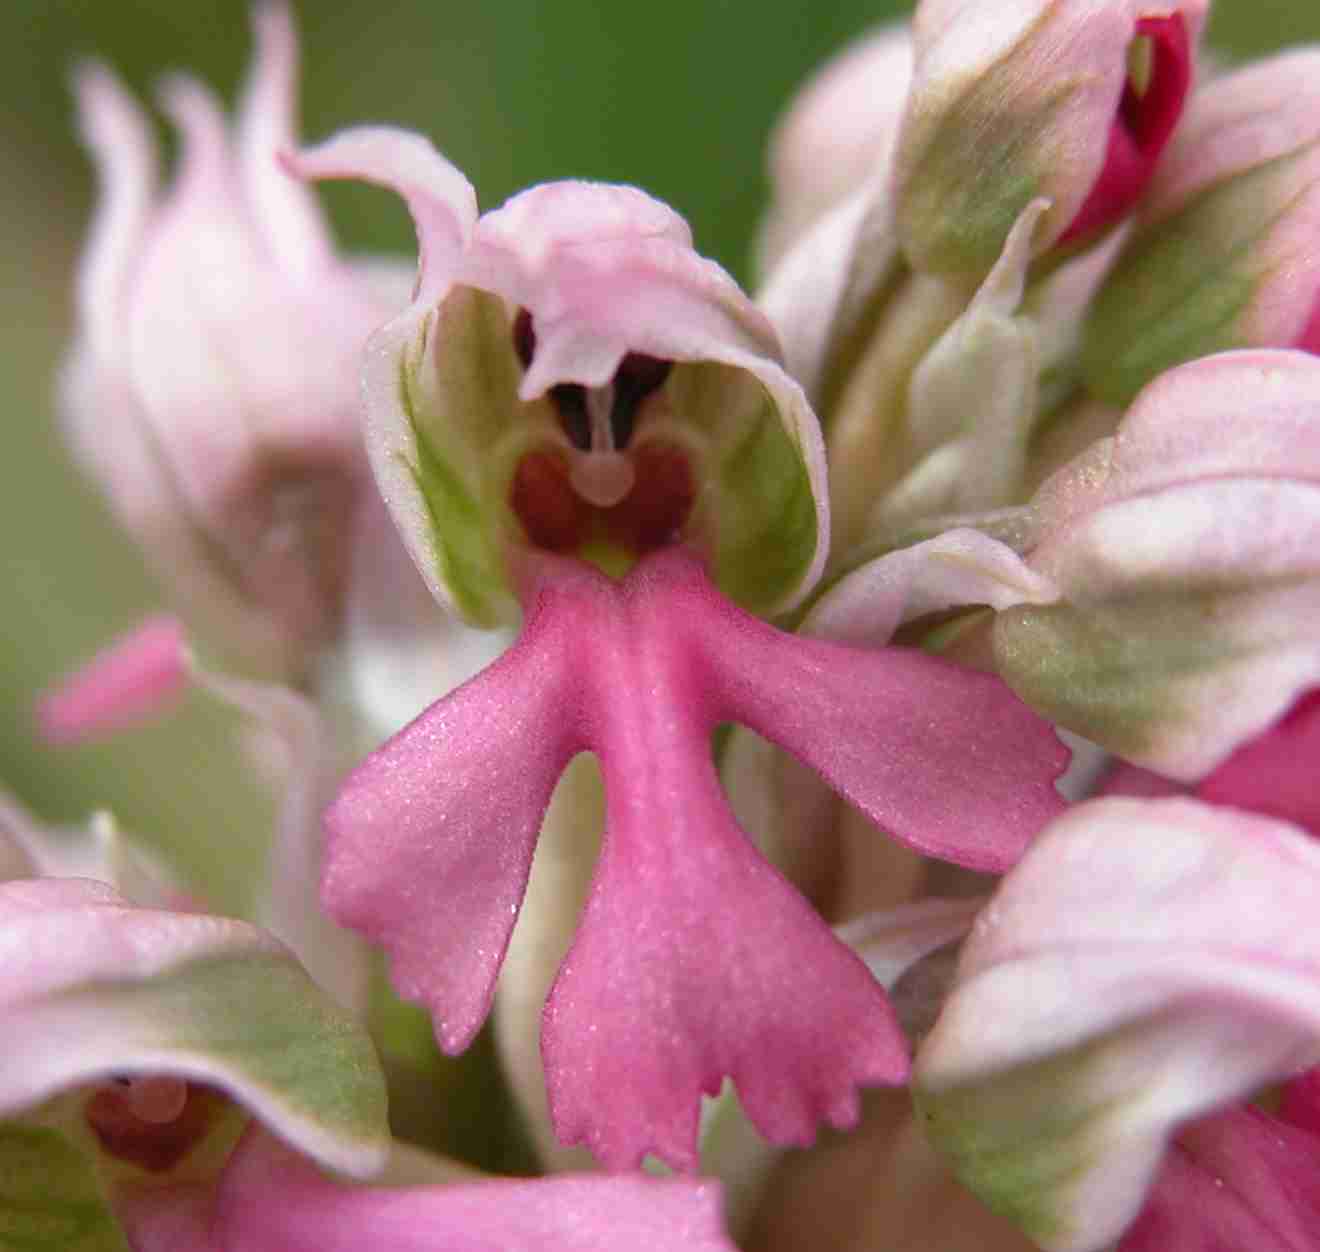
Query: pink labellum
{"x": 136, "y": 678}
{"x": 1144, "y": 124}
{"x": 688, "y": 963}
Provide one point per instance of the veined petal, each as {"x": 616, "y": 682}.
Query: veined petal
{"x": 144, "y": 992}
{"x": 1148, "y": 961}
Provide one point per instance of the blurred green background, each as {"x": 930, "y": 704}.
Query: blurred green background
{"x": 676, "y": 97}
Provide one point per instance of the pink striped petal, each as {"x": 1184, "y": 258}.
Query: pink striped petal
{"x": 136, "y": 678}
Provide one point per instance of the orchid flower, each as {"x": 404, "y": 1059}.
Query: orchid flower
{"x": 575, "y": 395}
{"x": 133, "y": 1034}
{"x": 1066, "y": 100}
{"x": 212, "y": 390}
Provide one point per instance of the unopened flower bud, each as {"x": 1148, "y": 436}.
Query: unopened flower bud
{"x": 1226, "y": 251}
{"x": 1069, "y": 100}
{"x": 213, "y": 388}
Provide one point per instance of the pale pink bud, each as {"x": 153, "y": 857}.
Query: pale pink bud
{"x": 1072, "y": 101}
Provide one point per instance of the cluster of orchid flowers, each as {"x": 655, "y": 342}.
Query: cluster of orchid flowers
{"x": 699, "y": 660}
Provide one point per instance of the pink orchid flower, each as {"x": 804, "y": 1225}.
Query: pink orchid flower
{"x": 213, "y": 391}
{"x": 573, "y": 395}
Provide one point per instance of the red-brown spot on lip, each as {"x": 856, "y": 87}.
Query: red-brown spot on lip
{"x": 653, "y": 513}
{"x": 155, "y": 1146}
{"x": 554, "y": 516}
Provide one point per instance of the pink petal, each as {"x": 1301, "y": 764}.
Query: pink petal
{"x": 270, "y": 1198}
{"x": 119, "y": 138}
{"x": 1143, "y": 127}
{"x": 1239, "y": 1180}
{"x": 945, "y": 759}
{"x": 959, "y": 567}
{"x": 267, "y": 125}
{"x": 138, "y": 677}
{"x": 430, "y": 839}
{"x": 441, "y": 201}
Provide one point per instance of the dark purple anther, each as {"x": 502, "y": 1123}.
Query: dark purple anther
{"x": 635, "y": 379}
